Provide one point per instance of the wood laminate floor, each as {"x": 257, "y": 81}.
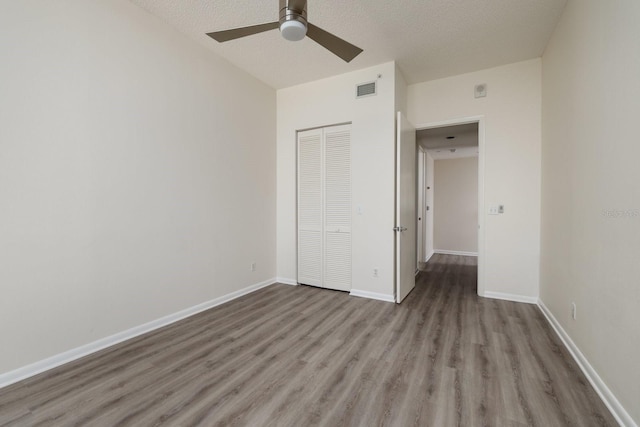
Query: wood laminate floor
{"x": 299, "y": 356}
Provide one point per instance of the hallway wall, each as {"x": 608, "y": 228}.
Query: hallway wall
{"x": 456, "y": 205}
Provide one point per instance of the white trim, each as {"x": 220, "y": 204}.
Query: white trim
{"x": 481, "y": 207}
{"x": 420, "y": 211}
{"x": 617, "y": 410}
{"x": 446, "y": 252}
{"x": 285, "y": 281}
{"x": 36, "y": 368}
{"x": 510, "y": 297}
{"x": 481, "y": 172}
{"x": 372, "y": 295}
{"x": 429, "y": 256}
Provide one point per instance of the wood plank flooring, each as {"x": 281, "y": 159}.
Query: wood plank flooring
{"x": 300, "y": 356}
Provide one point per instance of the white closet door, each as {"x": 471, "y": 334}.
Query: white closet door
{"x": 310, "y": 184}
{"x": 337, "y": 207}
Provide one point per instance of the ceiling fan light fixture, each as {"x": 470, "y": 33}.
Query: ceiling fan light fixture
{"x": 294, "y": 26}
{"x": 293, "y": 30}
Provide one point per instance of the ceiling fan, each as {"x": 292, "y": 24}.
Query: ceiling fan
{"x": 294, "y": 26}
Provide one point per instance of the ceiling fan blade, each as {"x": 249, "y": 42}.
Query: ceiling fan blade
{"x": 236, "y": 33}
{"x": 335, "y": 44}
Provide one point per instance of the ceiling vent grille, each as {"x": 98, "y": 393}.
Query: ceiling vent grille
{"x": 366, "y": 89}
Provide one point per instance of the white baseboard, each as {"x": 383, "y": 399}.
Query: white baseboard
{"x": 428, "y": 257}
{"x": 372, "y": 295}
{"x": 285, "y": 281}
{"x": 446, "y": 252}
{"x": 36, "y": 368}
{"x": 617, "y": 410}
{"x": 510, "y": 297}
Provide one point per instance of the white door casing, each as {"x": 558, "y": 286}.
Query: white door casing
{"x": 428, "y": 205}
{"x": 481, "y": 205}
{"x": 420, "y": 207}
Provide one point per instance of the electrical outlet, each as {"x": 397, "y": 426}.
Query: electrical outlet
{"x": 253, "y": 266}
{"x": 574, "y": 310}
{"x": 375, "y": 272}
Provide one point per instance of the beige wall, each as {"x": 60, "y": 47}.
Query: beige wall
{"x": 511, "y": 115}
{"x": 591, "y": 188}
{"x": 137, "y": 175}
{"x": 456, "y": 205}
{"x": 332, "y": 101}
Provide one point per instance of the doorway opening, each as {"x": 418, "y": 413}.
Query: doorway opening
{"x": 449, "y": 192}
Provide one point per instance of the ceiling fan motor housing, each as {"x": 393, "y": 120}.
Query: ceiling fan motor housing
{"x": 293, "y": 19}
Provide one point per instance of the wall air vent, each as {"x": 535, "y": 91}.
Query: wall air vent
{"x": 366, "y": 89}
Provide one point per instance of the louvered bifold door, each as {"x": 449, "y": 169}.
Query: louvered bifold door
{"x": 337, "y": 207}
{"x": 310, "y": 184}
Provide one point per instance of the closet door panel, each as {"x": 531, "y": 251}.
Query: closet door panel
{"x": 310, "y": 185}
{"x": 337, "y": 266}
{"x": 337, "y": 208}
{"x": 338, "y": 178}
{"x": 310, "y": 258}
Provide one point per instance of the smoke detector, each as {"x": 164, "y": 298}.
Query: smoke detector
{"x": 481, "y": 90}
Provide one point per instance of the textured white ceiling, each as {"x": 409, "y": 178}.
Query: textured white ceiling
{"x": 459, "y": 153}
{"x": 436, "y": 138}
{"x": 436, "y": 143}
{"x": 429, "y": 39}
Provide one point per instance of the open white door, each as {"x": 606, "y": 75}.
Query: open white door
{"x": 405, "y": 229}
